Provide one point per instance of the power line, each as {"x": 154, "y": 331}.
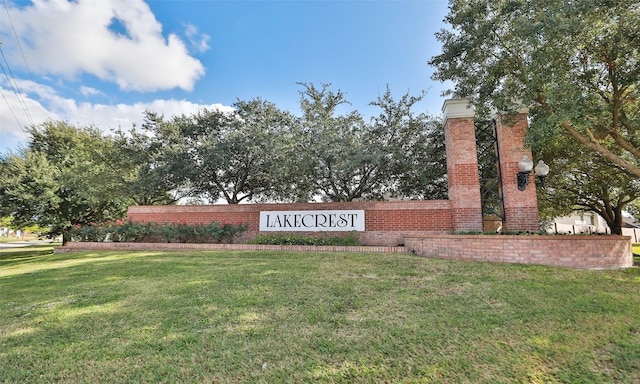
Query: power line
{"x": 10, "y": 77}
{"x": 10, "y": 109}
{"x": 15, "y": 34}
{"x": 14, "y": 86}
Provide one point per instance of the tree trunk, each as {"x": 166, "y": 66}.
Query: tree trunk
{"x": 616, "y": 229}
{"x": 66, "y": 236}
{"x": 615, "y": 222}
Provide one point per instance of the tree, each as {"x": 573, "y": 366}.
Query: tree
{"x": 634, "y": 209}
{"x": 6, "y": 222}
{"x": 66, "y": 176}
{"x": 340, "y": 160}
{"x": 234, "y": 156}
{"x": 575, "y": 64}
{"x": 413, "y": 146}
{"x": 146, "y": 183}
{"x": 29, "y": 191}
{"x": 343, "y": 158}
{"x": 582, "y": 181}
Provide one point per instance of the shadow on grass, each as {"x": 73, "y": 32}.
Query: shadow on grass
{"x": 153, "y": 317}
{"x": 42, "y": 261}
{"x": 22, "y": 253}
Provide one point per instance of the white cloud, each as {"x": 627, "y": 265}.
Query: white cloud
{"x": 18, "y": 110}
{"x": 69, "y": 38}
{"x": 39, "y": 103}
{"x": 88, "y": 91}
{"x": 199, "y": 41}
{"x": 124, "y": 116}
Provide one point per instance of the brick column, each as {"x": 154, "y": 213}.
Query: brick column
{"x": 520, "y": 207}
{"x": 462, "y": 165}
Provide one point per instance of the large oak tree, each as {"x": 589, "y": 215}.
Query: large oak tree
{"x": 341, "y": 157}
{"x": 220, "y": 155}
{"x": 575, "y": 64}
{"x": 66, "y": 176}
{"x": 583, "y": 181}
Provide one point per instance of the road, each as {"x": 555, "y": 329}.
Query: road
{"x": 23, "y": 243}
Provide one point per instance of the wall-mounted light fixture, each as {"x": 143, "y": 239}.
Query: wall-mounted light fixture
{"x": 526, "y": 165}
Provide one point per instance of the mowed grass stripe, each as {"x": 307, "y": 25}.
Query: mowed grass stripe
{"x": 270, "y": 317}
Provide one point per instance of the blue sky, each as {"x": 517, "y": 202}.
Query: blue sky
{"x": 103, "y": 62}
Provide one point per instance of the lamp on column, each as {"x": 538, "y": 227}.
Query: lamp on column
{"x": 526, "y": 166}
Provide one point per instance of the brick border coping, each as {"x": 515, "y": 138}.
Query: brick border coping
{"x": 107, "y": 246}
{"x": 582, "y": 252}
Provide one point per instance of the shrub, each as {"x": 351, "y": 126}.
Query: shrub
{"x": 130, "y": 232}
{"x": 225, "y": 233}
{"x": 89, "y": 233}
{"x": 350, "y": 239}
{"x": 151, "y": 232}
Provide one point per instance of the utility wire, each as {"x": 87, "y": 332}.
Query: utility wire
{"x": 15, "y": 34}
{"x": 10, "y": 109}
{"x": 14, "y": 86}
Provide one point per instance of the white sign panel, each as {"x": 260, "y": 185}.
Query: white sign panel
{"x": 312, "y": 221}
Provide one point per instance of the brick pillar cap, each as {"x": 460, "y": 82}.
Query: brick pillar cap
{"x": 519, "y": 109}
{"x": 458, "y": 108}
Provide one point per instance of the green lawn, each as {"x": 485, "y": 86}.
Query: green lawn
{"x": 267, "y": 317}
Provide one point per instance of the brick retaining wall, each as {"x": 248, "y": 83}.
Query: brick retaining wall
{"x": 585, "y": 252}
{"x": 588, "y": 252}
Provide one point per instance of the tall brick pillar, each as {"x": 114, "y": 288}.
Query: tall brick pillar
{"x": 520, "y": 207}
{"x": 462, "y": 165}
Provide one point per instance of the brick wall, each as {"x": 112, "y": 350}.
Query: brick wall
{"x": 520, "y": 207}
{"x": 387, "y": 223}
{"x": 588, "y": 252}
{"x": 462, "y": 173}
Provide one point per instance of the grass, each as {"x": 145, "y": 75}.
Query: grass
{"x": 266, "y": 317}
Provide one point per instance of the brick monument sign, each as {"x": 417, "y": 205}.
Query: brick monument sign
{"x": 429, "y": 227}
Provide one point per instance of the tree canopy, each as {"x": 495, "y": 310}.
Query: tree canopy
{"x": 261, "y": 153}
{"x": 574, "y": 64}
{"x": 340, "y": 160}
{"x": 235, "y": 156}
{"x": 583, "y": 181}
{"x": 66, "y": 176}
{"x": 342, "y": 157}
